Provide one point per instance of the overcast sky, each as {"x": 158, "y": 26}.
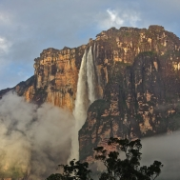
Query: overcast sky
{"x": 29, "y": 26}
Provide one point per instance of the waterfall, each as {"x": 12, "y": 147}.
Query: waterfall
{"x": 86, "y": 94}
{"x": 91, "y": 77}
{"x": 81, "y": 103}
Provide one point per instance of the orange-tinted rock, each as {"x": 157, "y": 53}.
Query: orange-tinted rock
{"x": 138, "y": 79}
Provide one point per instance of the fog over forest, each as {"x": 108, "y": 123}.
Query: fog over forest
{"x": 164, "y": 148}
{"x": 36, "y": 140}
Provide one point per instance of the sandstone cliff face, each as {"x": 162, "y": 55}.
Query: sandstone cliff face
{"x": 55, "y": 78}
{"x": 139, "y": 75}
{"x": 56, "y": 73}
{"x": 138, "y": 86}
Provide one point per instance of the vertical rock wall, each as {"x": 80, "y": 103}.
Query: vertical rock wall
{"x": 139, "y": 79}
{"x": 138, "y": 85}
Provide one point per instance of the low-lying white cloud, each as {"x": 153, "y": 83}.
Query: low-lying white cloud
{"x": 164, "y": 148}
{"x": 34, "y": 140}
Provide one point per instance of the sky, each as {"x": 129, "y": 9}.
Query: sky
{"x": 29, "y": 26}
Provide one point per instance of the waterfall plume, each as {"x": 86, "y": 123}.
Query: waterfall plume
{"x": 91, "y": 77}
{"x": 81, "y": 103}
{"x": 86, "y": 94}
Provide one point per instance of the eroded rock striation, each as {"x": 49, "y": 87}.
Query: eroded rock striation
{"x": 138, "y": 84}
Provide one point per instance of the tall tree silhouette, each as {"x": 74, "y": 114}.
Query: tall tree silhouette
{"x": 116, "y": 168}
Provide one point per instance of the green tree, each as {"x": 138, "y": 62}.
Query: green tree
{"x": 129, "y": 168}
{"x": 116, "y": 168}
{"x": 76, "y": 170}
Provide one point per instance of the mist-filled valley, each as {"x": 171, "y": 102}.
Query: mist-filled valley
{"x": 34, "y": 140}
{"x": 164, "y": 148}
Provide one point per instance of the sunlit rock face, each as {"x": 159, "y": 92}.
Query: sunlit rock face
{"x": 138, "y": 85}
{"x": 56, "y": 73}
{"x": 55, "y": 78}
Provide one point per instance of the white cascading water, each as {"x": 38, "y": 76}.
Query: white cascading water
{"x": 86, "y": 94}
{"x": 91, "y": 77}
{"x": 96, "y": 55}
{"x": 81, "y": 103}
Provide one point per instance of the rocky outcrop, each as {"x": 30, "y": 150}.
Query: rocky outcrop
{"x": 140, "y": 84}
{"x": 55, "y": 78}
{"x": 138, "y": 87}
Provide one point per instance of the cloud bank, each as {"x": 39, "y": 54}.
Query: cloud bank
{"x": 164, "y": 148}
{"x": 34, "y": 141}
